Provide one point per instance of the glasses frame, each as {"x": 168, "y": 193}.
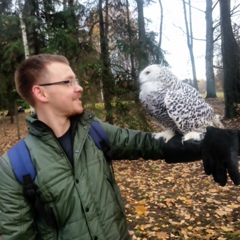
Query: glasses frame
{"x": 74, "y": 82}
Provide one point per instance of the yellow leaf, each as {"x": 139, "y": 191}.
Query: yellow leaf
{"x": 142, "y": 202}
{"x": 170, "y": 179}
{"x": 141, "y": 210}
{"x": 237, "y": 232}
{"x": 227, "y": 229}
{"x": 210, "y": 231}
{"x": 173, "y": 222}
{"x": 233, "y": 206}
{"x": 142, "y": 227}
{"x": 169, "y": 201}
{"x": 221, "y": 213}
{"x": 162, "y": 235}
{"x": 181, "y": 198}
{"x": 148, "y": 225}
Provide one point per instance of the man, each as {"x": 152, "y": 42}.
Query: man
{"x": 74, "y": 181}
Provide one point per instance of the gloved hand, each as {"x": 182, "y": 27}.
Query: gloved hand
{"x": 220, "y": 149}
{"x": 175, "y": 151}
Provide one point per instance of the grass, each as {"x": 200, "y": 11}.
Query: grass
{"x": 220, "y": 94}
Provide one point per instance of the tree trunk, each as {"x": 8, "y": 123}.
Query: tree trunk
{"x": 190, "y": 40}
{"x": 231, "y": 59}
{"x": 211, "y": 88}
{"x": 142, "y": 53}
{"x": 26, "y": 51}
{"x": 129, "y": 29}
{"x": 23, "y": 28}
{"x": 107, "y": 79}
{"x": 159, "y": 55}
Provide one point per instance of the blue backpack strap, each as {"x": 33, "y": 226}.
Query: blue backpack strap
{"x": 21, "y": 161}
{"x": 101, "y": 139}
{"x": 25, "y": 173}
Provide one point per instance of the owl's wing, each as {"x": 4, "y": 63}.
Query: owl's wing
{"x": 188, "y": 109}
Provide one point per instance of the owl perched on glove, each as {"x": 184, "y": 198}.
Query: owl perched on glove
{"x": 177, "y": 106}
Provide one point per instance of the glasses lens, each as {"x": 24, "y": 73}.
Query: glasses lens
{"x": 74, "y": 82}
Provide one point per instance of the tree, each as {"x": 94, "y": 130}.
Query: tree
{"x": 104, "y": 42}
{"x": 131, "y": 50}
{"x": 23, "y": 28}
{"x": 210, "y": 79}
{"x": 107, "y": 78}
{"x": 189, "y": 32}
{"x": 25, "y": 46}
{"x": 11, "y": 52}
{"x": 159, "y": 56}
{"x": 231, "y": 60}
{"x": 142, "y": 55}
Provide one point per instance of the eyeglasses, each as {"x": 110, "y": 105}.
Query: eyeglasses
{"x": 70, "y": 83}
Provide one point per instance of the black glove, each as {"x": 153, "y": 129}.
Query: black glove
{"x": 175, "y": 151}
{"x": 220, "y": 149}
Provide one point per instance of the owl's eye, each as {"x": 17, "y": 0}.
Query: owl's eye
{"x": 147, "y": 72}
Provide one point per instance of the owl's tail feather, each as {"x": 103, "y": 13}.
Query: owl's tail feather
{"x": 217, "y": 121}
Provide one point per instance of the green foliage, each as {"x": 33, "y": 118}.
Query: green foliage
{"x": 12, "y": 53}
{"x": 220, "y": 94}
{"x": 11, "y": 48}
{"x": 128, "y": 114}
{"x": 62, "y": 42}
{"x": 22, "y": 103}
{"x": 73, "y": 30}
{"x": 89, "y": 75}
{"x": 231, "y": 236}
{"x": 125, "y": 114}
{"x": 156, "y": 55}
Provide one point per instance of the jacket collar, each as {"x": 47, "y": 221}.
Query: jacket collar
{"x": 39, "y": 128}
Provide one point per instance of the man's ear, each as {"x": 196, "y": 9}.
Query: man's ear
{"x": 39, "y": 93}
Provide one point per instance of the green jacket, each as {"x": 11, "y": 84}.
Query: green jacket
{"x": 85, "y": 200}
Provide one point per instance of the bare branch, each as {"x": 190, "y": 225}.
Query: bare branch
{"x": 198, "y": 39}
{"x": 218, "y": 67}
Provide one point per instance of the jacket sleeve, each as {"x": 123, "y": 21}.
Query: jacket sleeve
{"x": 133, "y": 144}
{"x": 16, "y": 216}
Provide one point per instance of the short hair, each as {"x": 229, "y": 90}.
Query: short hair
{"x": 31, "y": 70}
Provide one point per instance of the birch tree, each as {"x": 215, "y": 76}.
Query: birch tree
{"x": 24, "y": 37}
{"x": 23, "y": 29}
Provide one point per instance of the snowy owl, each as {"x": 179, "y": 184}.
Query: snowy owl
{"x": 174, "y": 104}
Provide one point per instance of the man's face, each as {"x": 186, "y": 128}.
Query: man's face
{"x": 63, "y": 96}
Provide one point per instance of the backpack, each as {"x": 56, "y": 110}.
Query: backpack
{"x": 25, "y": 173}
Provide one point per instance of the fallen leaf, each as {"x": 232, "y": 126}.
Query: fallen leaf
{"x": 141, "y": 210}
{"x": 162, "y": 235}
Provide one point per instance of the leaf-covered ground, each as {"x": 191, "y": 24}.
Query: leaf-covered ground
{"x": 169, "y": 201}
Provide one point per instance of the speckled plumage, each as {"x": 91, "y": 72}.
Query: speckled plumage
{"x": 173, "y": 103}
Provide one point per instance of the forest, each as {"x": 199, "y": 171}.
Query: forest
{"x": 108, "y": 44}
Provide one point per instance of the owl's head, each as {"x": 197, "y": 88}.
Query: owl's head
{"x": 158, "y": 75}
